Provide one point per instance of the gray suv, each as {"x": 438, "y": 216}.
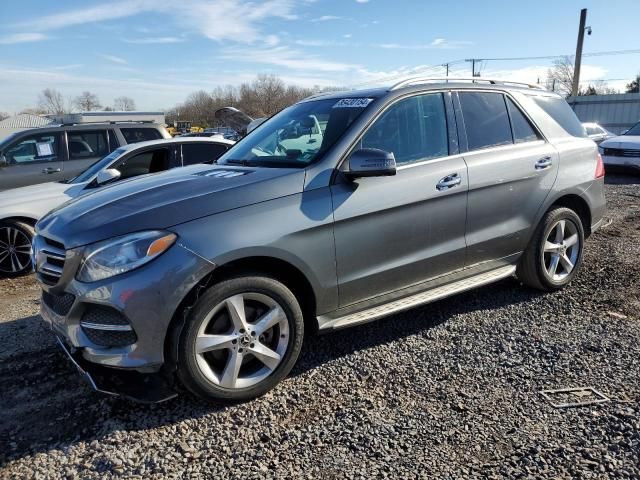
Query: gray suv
{"x": 341, "y": 209}
{"x": 61, "y": 152}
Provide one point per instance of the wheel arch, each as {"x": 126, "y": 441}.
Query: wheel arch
{"x": 19, "y": 218}
{"x": 578, "y": 205}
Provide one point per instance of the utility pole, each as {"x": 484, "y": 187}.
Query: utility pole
{"x": 446, "y": 65}
{"x": 473, "y": 66}
{"x": 576, "y": 69}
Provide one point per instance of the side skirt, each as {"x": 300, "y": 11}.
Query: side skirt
{"x": 411, "y": 301}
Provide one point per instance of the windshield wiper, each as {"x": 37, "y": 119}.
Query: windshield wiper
{"x": 244, "y": 163}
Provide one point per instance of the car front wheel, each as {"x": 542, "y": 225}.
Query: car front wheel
{"x": 15, "y": 248}
{"x": 240, "y": 339}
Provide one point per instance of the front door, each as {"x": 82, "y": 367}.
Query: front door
{"x": 32, "y": 159}
{"x": 511, "y": 171}
{"x": 395, "y": 232}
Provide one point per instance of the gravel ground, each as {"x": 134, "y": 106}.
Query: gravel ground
{"x": 449, "y": 390}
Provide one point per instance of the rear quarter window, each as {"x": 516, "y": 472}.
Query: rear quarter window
{"x": 138, "y": 134}
{"x": 560, "y": 111}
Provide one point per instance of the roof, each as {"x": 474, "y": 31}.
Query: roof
{"x": 164, "y": 141}
{"x": 25, "y": 120}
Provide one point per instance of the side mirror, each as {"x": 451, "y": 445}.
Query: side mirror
{"x": 3, "y": 161}
{"x": 371, "y": 162}
{"x": 108, "y": 175}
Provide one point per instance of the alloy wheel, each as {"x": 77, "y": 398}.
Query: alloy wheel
{"x": 242, "y": 340}
{"x": 561, "y": 250}
{"x": 15, "y": 250}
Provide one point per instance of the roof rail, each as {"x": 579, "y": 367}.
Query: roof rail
{"x": 418, "y": 80}
{"x": 110, "y": 122}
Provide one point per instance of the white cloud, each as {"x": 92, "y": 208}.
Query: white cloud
{"x": 347, "y": 35}
{"x": 215, "y": 19}
{"x": 114, "y": 59}
{"x": 326, "y": 18}
{"x": 22, "y": 38}
{"x": 286, "y": 57}
{"x": 362, "y": 1}
{"x": 153, "y": 40}
{"x": 437, "y": 43}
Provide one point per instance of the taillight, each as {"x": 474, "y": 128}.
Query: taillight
{"x": 599, "y": 167}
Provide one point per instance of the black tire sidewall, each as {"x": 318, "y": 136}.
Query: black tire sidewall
{"x": 29, "y": 232}
{"x": 190, "y": 375}
{"x": 550, "y": 220}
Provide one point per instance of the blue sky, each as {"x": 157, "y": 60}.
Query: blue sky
{"x": 158, "y": 51}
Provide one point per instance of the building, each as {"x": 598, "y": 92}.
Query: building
{"x": 616, "y": 113}
{"x": 22, "y": 121}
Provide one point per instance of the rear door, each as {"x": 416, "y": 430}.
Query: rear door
{"x": 31, "y": 159}
{"x": 398, "y": 231}
{"x": 85, "y": 147}
{"x": 511, "y": 171}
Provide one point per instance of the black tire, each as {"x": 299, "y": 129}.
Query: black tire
{"x": 192, "y": 376}
{"x": 24, "y": 231}
{"x": 532, "y": 268}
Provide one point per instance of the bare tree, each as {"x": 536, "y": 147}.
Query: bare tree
{"x": 633, "y": 86}
{"x": 560, "y": 76}
{"x": 51, "y": 101}
{"x": 125, "y": 104}
{"x": 87, "y": 102}
{"x": 3, "y": 115}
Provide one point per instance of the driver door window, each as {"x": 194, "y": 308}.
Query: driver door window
{"x": 34, "y": 149}
{"x": 413, "y": 129}
{"x": 151, "y": 161}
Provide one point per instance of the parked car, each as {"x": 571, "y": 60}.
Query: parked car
{"x": 20, "y": 208}
{"x": 623, "y": 151}
{"x": 238, "y": 121}
{"x": 209, "y": 277}
{"x": 597, "y": 133}
{"x": 60, "y": 152}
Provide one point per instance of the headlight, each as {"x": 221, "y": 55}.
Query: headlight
{"x": 122, "y": 254}
{"x": 600, "y": 150}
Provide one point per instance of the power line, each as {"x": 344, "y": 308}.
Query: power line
{"x": 551, "y": 57}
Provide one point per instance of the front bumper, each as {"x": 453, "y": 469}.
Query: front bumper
{"x": 147, "y": 297}
{"x": 622, "y": 162}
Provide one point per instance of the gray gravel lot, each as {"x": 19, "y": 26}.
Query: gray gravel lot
{"x": 449, "y": 390}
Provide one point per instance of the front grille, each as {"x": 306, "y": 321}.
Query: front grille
{"x": 622, "y": 152}
{"x": 50, "y": 260}
{"x": 107, "y": 327}
{"x": 60, "y": 304}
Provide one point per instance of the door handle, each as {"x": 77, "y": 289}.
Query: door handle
{"x": 449, "y": 181}
{"x": 51, "y": 170}
{"x": 544, "y": 162}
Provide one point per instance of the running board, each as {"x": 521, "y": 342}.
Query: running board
{"x": 406, "y": 303}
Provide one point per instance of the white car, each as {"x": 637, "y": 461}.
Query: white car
{"x": 20, "y": 208}
{"x": 623, "y": 150}
{"x": 596, "y": 132}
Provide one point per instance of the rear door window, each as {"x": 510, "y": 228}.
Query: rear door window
{"x": 140, "y": 134}
{"x": 485, "y": 119}
{"x": 523, "y": 131}
{"x": 87, "y": 144}
{"x": 560, "y": 111}
{"x": 193, "y": 153}
{"x": 43, "y": 147}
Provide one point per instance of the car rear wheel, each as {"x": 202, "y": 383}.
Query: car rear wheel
{"x": 555, "y": 252}
{"x": 15, "y": 248}
{"x": 241, "y": 338}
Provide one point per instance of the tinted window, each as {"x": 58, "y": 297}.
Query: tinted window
{"x": 592, "y": 130}
{"x": 635, "y": 130}
{"x": 87, "y": 144}
{"x": 561, "y": 112}
{"x": 113, "y": 140}
{"x": 151, "y": 161}
{"x": 193, "y": 153}
{"x": 134, "y": 135}
{"x": 485, "y": 119}
{"x": 34, "y": 148}
{"x": 413, "y": 129}
{"x": 522, "y": 129}
{"x": 93, "y": 170}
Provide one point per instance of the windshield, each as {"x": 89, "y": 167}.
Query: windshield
{"x": 635, "y": 130}
{"x": 297, "y": 136}
{"x": 93, "y": 170}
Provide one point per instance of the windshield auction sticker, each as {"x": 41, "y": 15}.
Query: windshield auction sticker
{"x": 353, "y": 102}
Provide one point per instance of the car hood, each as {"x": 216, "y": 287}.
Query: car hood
{"x": 622, "y": 141}
{"x": 234, "y": 118}
{"x": 163, "y": 200}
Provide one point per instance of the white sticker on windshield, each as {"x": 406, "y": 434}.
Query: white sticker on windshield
{"x": 44, "y": 149}
{"x": 353, "y": 102}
